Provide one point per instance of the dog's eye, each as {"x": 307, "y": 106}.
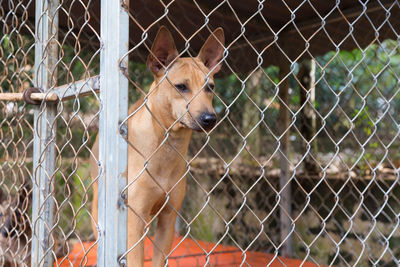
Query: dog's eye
{"x": 210, "y": 87}
{"x": 182, "y": 87}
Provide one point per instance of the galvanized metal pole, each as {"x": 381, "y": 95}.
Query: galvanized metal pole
{"x": 112, "y": 216}
{"x": 46, "y": 56}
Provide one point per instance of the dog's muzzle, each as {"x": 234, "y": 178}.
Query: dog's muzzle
{"x": 207, "y": 120}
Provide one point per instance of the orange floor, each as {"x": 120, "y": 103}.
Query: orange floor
{"x": 189, "y": 254}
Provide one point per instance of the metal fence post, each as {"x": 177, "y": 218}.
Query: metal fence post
{"x": 113, "y": 147}
{"x": 46, "y": 56}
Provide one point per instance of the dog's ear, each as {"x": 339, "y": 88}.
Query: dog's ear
{"x": 163, "y": 51}
{"x": 212, "y": 50}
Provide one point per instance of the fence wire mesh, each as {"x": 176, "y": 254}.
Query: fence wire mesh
{"x": 16, "y": 71}
{"x": 76, "y": 58}
{"x": 70, "y": 61}
{"x": 300, "y": 169}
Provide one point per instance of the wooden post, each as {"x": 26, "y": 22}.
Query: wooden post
{"x": 312, "y": 99}
{"x": 285, "y": 187}
{"x": 307, "y": 115}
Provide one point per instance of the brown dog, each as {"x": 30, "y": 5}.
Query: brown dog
{"x": 15, "y": 231}
{"x": 178, "y": 103}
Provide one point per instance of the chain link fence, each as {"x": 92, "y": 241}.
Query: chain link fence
{"x": 16, "y": 131}
{"x": 300, "y": 169}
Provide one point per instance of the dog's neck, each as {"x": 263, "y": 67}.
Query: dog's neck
{"x": 162, "y": 123}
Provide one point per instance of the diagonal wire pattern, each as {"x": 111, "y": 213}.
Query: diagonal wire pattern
{"x": 302, "y": 164}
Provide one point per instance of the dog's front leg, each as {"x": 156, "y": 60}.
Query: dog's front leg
{"x": 166, "y": 225}
{"x": 138, "y": 216}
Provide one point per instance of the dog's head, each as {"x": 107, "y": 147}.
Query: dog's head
{"x": 188, "y": 87}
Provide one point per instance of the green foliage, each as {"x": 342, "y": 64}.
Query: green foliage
{"x": 73, "y": 196}
{"x": 364, "y": 123}
{"x": 16, "y": 66}
{"x": 141, "y": 79}
{"x": 202, "y": 227}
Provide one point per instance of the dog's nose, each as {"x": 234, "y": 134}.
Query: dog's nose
{"x": 207, "y": 120}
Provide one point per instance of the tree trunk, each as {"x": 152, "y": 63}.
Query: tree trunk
{"x": 251, "y": 114}
{"x": 307, "y": 114}
{"x": 285, "y": 185}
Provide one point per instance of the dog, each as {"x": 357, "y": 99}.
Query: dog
{"x": 160, "y": 189}
{"x": 15, "y": 230}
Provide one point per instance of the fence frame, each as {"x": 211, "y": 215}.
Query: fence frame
{"x": 113, "y": 149}
{"x": 112, "y": 214}
{"x": 44, "y": 160}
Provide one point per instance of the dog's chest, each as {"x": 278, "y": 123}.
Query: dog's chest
{"x": 158, "y": 161}
{"x": 167, "y": 165}
{"x": 156, "y": 157}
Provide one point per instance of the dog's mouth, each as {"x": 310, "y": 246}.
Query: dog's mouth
{"x": 195, "y": 126}
{"x": 192, "y": 126}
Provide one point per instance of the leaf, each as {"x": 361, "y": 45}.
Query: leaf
{"x": 395, "y": 60}
{"x": 346, "y": 56}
